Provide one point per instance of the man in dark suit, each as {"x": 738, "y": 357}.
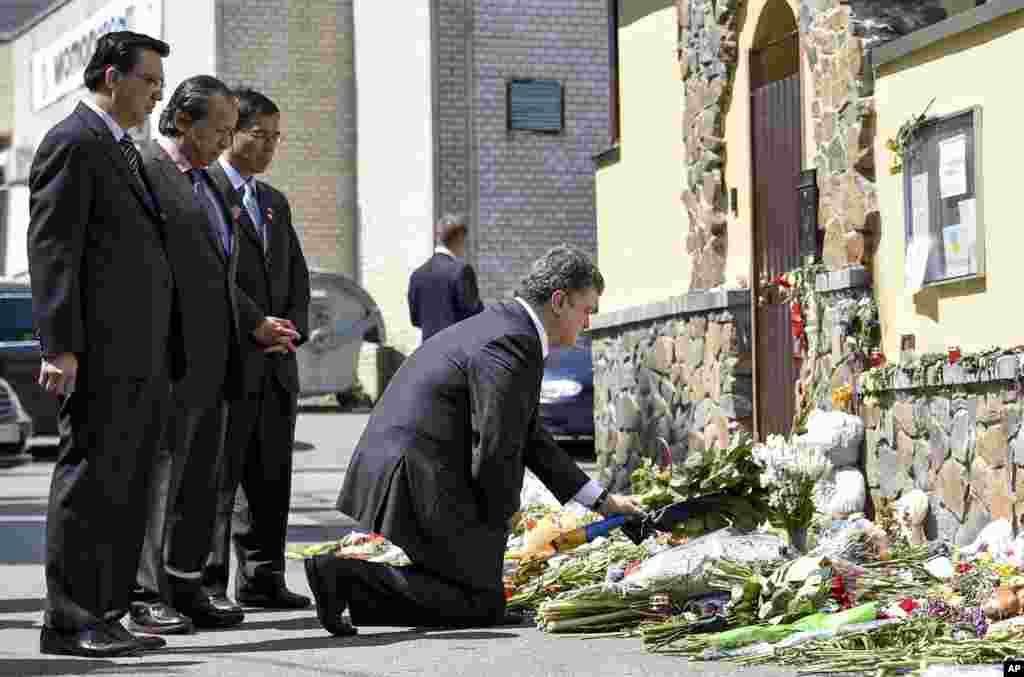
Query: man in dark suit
{"x": 272, "y": 271}
{"x": 197, "y": 125}
{"x": 103, "y": 298}
{"x": 439, "y": 468}
{"x": 443, "y": 290}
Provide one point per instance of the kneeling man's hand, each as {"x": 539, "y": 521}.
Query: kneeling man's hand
{"x": 620, "y": 504}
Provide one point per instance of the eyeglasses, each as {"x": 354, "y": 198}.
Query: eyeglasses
{"x": 262, "y": 136}
{"x": 154, "y": 82}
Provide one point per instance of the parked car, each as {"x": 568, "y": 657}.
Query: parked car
{"x": 19, "y": 358}
{"x": 567, "y": 393}
{"x": 15, "y": 428}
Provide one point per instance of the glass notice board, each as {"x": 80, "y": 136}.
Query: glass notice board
{"x": 942, "y": 201}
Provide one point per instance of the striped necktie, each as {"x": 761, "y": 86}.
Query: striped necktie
{"x": 131, "y": 154}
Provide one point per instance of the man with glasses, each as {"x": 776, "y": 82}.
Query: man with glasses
{"x": 272, "y": 271}
{"x": 103, "y": 298}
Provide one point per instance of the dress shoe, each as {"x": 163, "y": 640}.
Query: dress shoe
{"x": 148, "y": 642}
{"x": 91, "y": 642}
{"x": 222, "y": 602}
{"x": 271, "y": 597}
{"x": 206, "y": 614}
{"x": 330, "y": 604}
{"x": 158, "y": 618}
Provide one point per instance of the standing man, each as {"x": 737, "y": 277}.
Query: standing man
{"x": 103, "y": 295}
{"x": 197, "y": 125}
{"x": 272, "y": 272}
{"x": 439, "y": 468}
{"x": 443, "y": 290}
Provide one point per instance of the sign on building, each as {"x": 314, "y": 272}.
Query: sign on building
{"x": 57, "y": 69}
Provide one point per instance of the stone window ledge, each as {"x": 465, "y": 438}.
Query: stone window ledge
{"x": 1005, "y": 368}
{"x": 685, "y": 304}
{"x": 838, "y": 280}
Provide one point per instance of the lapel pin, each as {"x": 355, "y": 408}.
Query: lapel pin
{"x": 270, "y": 214}
{"x": 236, "y": 212}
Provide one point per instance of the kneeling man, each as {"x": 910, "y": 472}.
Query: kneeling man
{"x": 439, "y": 468}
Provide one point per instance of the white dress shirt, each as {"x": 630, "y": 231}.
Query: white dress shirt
{"x": 115, "y": 129}
{"x": 591, "y": 490}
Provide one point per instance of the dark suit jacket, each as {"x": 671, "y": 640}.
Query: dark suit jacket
{"x": 277, "y": 283}
{"x": 442, "y": 291}
{"x": 102, "y": 286}
{"x": 439, "y": 467}
{"x": 206, "y": 289}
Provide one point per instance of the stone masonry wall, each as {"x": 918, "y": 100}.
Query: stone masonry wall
{"x": 300, "y": 54}
{"x": 707, "y": 58}
{"x": 960, "y": 439}
{"x": 685, "y": 379}
{"x": 830, "y": 360}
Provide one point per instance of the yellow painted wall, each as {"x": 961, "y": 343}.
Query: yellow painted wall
{"x": 641, "y": 222}
{"x": 972, "y": 68}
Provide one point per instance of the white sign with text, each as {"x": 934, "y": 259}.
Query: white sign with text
{"x": 57, "y": 69}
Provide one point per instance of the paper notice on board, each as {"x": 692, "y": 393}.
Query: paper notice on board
{"x": 917, "y": 263}
{"x": 969, "y": 221}
{"x": 953, "y": 166}
{"x": 919, "y": 225}
{"x": 955, "y": 248}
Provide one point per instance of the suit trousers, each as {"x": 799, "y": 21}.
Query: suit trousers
{"x": 255, "y": 489}
{"x": 110, "y": 431}
{"x": 182, "y": 499}
{"x": 380, "y": 594}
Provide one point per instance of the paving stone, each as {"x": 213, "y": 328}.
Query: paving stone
{"x": 695, "y": 352}
{"x": 922, "y": 478}
{"x": 736, "y": 406}
{"x": 940, "y": 522}
{"x": 627, "y": 412}
{"x": 904, "y": 450}
{"x": 903, "y": 412}
{"x": 893, "y": 477}
{"x": 940, "y": 410}
{"x": 664, "y": 354}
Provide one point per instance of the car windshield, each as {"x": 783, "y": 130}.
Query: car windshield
{"x": 16, "y": 318}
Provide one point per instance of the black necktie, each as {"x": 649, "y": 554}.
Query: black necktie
{"x": 217, "y": 221}
{"x": 131, "y": 154}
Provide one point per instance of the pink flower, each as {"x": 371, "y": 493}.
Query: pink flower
{"x": 236, "y": 212}
{"x": 270, "y": 214}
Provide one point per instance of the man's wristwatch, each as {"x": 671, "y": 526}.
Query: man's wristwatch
{"x": 601, "y": 498}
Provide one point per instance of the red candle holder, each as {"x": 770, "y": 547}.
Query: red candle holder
{"x": 877, "y": 359}
{"x": 954, "y": 354}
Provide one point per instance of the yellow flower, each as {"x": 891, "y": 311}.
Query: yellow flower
{"x": 1005, "y": 570}
{"x": 985, "y": 557}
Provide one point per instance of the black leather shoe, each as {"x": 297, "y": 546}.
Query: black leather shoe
{"x": 148, "y": 642}
{"x": 205, "y": 614}
{"x": 330, "y": 604}
{"x": 91, "y": 642}
{"x": 158, "y": 618}
{"x": 271, "y": 597}
{"x": 221, "y": 602}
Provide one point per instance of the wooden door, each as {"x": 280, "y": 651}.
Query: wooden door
{"x": 775, "y": 129}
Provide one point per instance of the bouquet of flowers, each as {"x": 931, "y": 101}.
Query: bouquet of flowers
{"x": 790, "y": 471}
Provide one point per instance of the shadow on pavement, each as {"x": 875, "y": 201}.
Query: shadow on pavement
{"x": 304, "y": 623}
{"x": 22, "y": 605}
{"x": 326, "y": 642}
{"x": 75, "y": 666}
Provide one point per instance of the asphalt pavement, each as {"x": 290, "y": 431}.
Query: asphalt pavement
{"x": 286, "y": 644}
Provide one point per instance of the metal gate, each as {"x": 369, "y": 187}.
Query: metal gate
{"x": 775, "y": 128}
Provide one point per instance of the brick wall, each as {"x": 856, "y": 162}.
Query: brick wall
{"x": 531, "y": 191}
{"x": 300, "y": 53}
{"x": 452, "y": 106}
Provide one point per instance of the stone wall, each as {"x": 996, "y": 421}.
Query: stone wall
{"x": 707, "y": 57}
{"x": 831, "y": 360}
{"x": 677, "y": 370}
{"x": 958, "y": 438}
